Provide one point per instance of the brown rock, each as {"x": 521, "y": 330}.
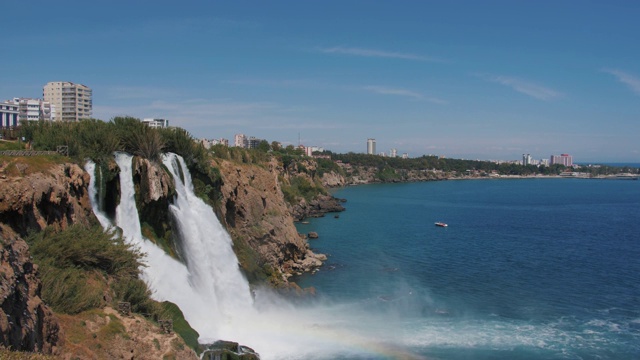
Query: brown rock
{"x": 254, "y": 209}
{"x": 57, "y": 197}
{"x": 26, "y": 323}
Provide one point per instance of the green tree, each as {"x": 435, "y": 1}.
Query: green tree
{"x": 263, "y": 146}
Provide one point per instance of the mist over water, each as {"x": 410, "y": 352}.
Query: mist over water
{"x": 215, "y": 298}
{"x": 527, "y": 269}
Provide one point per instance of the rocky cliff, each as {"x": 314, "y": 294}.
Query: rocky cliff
{"x": 255, "y": 212}
{"x": 26, "y": 323}
{"x": 360, "y": 174}
{"x": 252, "y": 206}
{"x": 33, "y": 195}
{"x": 34, "y": 198}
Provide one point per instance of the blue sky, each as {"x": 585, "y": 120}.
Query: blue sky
{"x": 464, "y": 79}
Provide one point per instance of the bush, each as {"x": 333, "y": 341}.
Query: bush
{"x": 87, "y": 248}
{"x": 180, "y": 325}
{"x": 78, "y": 264}
{"x": 71, "y": 290}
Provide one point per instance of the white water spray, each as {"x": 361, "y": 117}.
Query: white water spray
{"x": 167, "y": 278}
{"x": 214, "y": 296}
{"x": 207, "y": 248}
{"x": 90, "y": 167}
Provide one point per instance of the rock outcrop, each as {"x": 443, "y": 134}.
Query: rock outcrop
{"x": 255, "y": 212}
{"x": 55, "y": 197}
{"x": 333, "y": 179}
{"x": 155, "y": 182}
{"x": 106, "y": 334}
{"x": 317, "y": 207}
{"x": 26, "y": 323}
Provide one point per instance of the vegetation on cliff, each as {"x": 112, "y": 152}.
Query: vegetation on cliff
{"x": 80, "y": 265}
{"x": 84, "y": 268}
{"x": 389, "y": 169}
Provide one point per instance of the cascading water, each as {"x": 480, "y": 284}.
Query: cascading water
{"x": 206, "y": 246}
{"x": 167, "y": 278}
{"x": 90, "y": 167}
{"x": 214, "y": 296}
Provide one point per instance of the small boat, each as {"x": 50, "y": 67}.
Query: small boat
{"x": 441, "y": 224}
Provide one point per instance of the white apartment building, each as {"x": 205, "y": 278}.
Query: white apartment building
{"x": 34, "y": 109}
{"x": 240, "y": 140}
{"x": 72, "y": 102}
{"x": 8, "y": 115}
{"x": 156, "y": 123}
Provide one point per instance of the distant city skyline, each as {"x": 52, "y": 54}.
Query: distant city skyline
{"x": 464, "y": 79}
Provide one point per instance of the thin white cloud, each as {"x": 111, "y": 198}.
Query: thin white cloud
{"x": 377, "y": 53}
{"x": 528, "y": 88}
{"x": 384, "y": 90}
{"x": 139, "y": 92}
{"x": 631, "y": 81}
{"x": 220, "y": 113}
{"x": 392, "y": 91}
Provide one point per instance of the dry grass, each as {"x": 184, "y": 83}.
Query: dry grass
{"x": 14, "y": 166}
{"x": 18, "y": 355}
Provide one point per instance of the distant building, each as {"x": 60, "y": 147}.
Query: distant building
{"x": 156, "y": 123}
{"x": 562, "y": 159}
{"x": 208, "y": 143}
{"x": 34, "y": 109}
{"x": 405, "y": 155}
{"x": 253, "y": 142}
{"x": 526, "y": 159}
{"x": 371, "y": 146}
{"x": 393, "y": 153}
{"x": 240, "y": 140}
{"x": 8, "y": 115}
{"x": 309, "y": 150}
{"x": 72, "y": 102}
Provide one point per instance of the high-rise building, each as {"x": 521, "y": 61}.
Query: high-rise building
{"x": 393, "y": 153}
{"x": 526, "y": 159}
{"x": 371, "y": 146}
{"x": 253, "y": 142}
{"x": 72, "y": 102}
{"x": 8, "y": 115}
{"x": 563, "y": 159}
{"x": 240, "y": 140}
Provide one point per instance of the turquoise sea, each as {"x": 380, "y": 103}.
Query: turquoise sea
{"x": 526, "y": 269}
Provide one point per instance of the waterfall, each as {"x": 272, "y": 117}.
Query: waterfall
{"x": 207, "y": 247}
{"x": 167, "y": 278}
{"x": 212, "y": 292}
{"x": 90, "y": 167}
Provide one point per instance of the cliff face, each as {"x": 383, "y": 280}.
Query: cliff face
{"x": 255, "y": 212}
{"x": 56, "y": 197}
{"x": 34, "y": 197}
{"x": 359, "y": 174}
{"x": 26, "y": 323}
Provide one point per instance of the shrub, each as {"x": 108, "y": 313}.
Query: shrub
{"x": 76, "y": 265}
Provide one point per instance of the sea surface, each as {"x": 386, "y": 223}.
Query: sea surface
{"x": 526, "y": 269}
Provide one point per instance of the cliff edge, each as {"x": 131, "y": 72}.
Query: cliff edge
{"x": 256, "y": 214}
